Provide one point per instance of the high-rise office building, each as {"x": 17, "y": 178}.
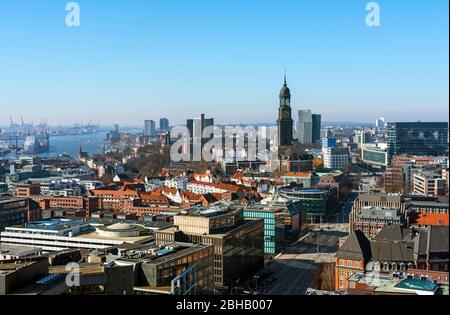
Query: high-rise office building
{"x": 150, "y": 128}
{"x": 197, "y": 125}
{"x": 316, "y": 125}
{"x": 380, "y": 123}
{"x": 164, "y": 124}
{"x": 417, "y": 138}
{"x": 305, "y": 126}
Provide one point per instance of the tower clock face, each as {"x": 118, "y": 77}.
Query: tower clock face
{"x": 286, "y": 115}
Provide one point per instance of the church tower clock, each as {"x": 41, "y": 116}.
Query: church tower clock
{"x": 285, "y": 122}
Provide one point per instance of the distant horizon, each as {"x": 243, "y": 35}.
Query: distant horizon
{"x": 141, "y": 126}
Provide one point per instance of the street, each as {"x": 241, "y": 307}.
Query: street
{"x": 292, "y": 271}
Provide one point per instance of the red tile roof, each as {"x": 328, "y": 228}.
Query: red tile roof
{"x": 439, "y": 219}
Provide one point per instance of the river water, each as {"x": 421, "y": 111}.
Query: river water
{"x": 70, "y": 144}
{"x": 90, "y": 143}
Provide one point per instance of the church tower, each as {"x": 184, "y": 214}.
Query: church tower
{"x": 285, "y": 122}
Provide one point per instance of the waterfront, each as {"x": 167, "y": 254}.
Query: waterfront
{"x": 70, "y": 144}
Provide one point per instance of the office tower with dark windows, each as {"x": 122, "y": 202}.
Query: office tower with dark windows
{"x": 316, "y": 126}
{"x": 417, "y": 138}
{"x": 196, "y": 126}
{"x": 150, "y": 128}
{"x": 238, "y": 241}
{"x": 305, "y": 126}
{"x": 164, "y": 124}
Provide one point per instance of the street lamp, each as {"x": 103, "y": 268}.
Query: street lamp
{"x": 256, "y": 283}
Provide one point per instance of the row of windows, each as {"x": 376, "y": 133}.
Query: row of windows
{"x": 349, "y": 263}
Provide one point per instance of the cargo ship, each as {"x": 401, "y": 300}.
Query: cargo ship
{"x": 4, "y": 148}
{"x": 36, "y": 144}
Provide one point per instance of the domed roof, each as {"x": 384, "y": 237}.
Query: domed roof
{"x": 121, "y": 226}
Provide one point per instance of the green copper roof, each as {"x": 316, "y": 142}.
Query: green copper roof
{"x": 417, "y": 284}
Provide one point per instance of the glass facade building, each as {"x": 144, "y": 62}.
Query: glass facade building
{"x": 270, "y": 228}
{"x": 316, "y": 126}
{"x": 281, "y": 224}
{"x": 417, "y": 138}
{"x": 374, "y": 156}
{"x": 328, "y": 142}
{"x": 315, "y": 203}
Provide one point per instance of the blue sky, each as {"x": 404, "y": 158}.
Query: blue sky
{"x": 145, "y": 59}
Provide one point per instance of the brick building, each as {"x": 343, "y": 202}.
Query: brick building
{"x": 27, "y": 190}
{"x": 393, "y": 252}
{"x": 90, "y": 204}
{"x": 428, "y": 213}
{"x": 351, "y": 258}
{"x": 17, "y": 211}
{"x": 376, "y": 200}
{"x": 371, "y": 220}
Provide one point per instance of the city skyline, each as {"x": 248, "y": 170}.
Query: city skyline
{"x": 154, "y": 60}
{"x": 224, "y": 153}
